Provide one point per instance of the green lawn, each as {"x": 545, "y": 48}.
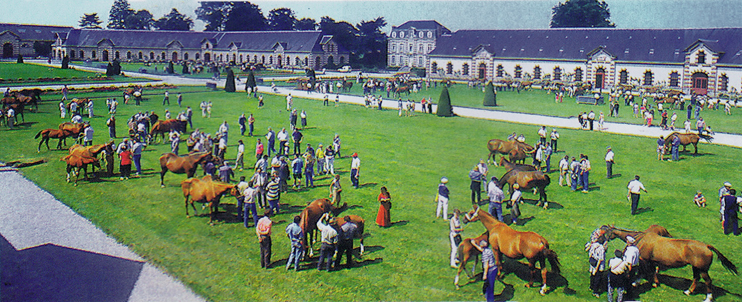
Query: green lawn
{"x": 408, "y": 261}
{"x": 31, "y": 72}
{"x": 160, "y": 70}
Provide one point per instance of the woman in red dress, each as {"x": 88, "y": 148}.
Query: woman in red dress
{"x": 383, "y": 219}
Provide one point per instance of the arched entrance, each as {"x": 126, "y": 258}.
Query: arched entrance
{"x": 207, "y": 57}
{"x": 174, "y": 56}
{"x": 330, "y": 60}
{"x": 699, "y": 83}
{"x": 600, "y": 78}
{"x": 105, "y": 55}
{"x": 279, "y": 62}
{"x": 7, "y": 50}
{"x": 482, "y": 71}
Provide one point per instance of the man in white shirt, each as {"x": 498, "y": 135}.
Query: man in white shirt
{"x": 631, "y": 257}
{"x": 617, "y": 275}
{"x": 554, "y": 138}
{"x": 496, "y": 196}
{"x": 355, "y": 166}
{"x": 563, "y": 170}
{"x": 635, "y": 188}
{"x": 609, "y": 161}
{"x": 283, "y": 138}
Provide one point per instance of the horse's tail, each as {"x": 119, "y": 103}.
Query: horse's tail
{"x": 38, "y": 134}
{"x": 553, "y": 260}
{"x": 724, "y": 261}
{"x": 706, "y": 137}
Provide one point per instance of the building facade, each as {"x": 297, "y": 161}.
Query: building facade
{"x": 704, "y": 61}
{"x": 20, "y": 38}
{"x": 410, "y": 43}
{"x": 292, "y": 49}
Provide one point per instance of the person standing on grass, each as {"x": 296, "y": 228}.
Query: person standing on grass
{"x": 11, "y": 117}
{"x": 515, "y": 200}
{"x": 617, "y": 278}
{"x": 609, "y": 162}
{"x": 329, "y": 238}
{"x": 226, "y": 173}
{"x": 250, "y": 124}
{"x": 174, "y": 141}
{"x": 731, "y": 210}
{"x": 455, "y": 229}
{"x": 319, "y": 154}
{"x": 661, "y": 148}
{"x": 125, "y": 165}
{"x": 564, "y": 171}
{"x": 297, "y": 166}
{"x": 270, "y": 137}
{"x": 303, "y": 117}
{"x": 596, "y": 252}
{"x": 241, "y": 187}
{"x": 490, "y": 269}
{"x": 65, "y": 90}
{"x": 295, "y": 234}
{"x": 383, "y": 217}
{"x": 355, "y": 170}
{"x": 90, "y": 109}
{"x": 88, "y": 139}
{"x": 631, "y": 257}
{"x": 335, "y": 189}
{"x": 585, "y": 167}
{"x": 137, "y": 156}
{"x": 476, "y": 185}
{"x": 189, "y": 116}
{"x": 273, "y": 193}
{"x": 250, "y": 193}
{"x": 635, "y": 187}
{"x": 547, "y": 155}
{"x": 289, "y": 102}
{"x": 496, "y": 195}
{"x": 336, "y": 145}
{"x": 241, "y": 121}
{"x": 309, "y": 166}
{"x": 283, "y": 139}
{"x": 297, "y": 137}
{"x": 330, "y": 160}
{"x": 442, "y": 199}
{"x": 293, "y": 117}
{"x": 180, "y": 99}
{"x": 166, "y": 99}
{"x": 675, "y": 148}
{"x": 345, "y": 242}
{"x": 591, "y": 119}
{"x": 263, "y": 230}
{"x": 240, "y": 155}
{"x": 554, "y": 138}
{"x": 62, "y": 109}
{"x": 542, "y": 135}
{"x": 259, "y": 150}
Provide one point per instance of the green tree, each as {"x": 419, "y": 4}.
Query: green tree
{"x": 229, "y": 86}
{"x": 116, "y": 67}
{"x": 490, "y": 97}
{"x": 343, "y": 33}
{"x": 141, "y": 19}
{"x": 281, "y": 19}
{"x": 42, "y": 48}
{"x": 444, "y": 103}
{"x": 581, "y": 13}
{"x": 109, "y": 70}
{"x": 305, "y": 24}
{"x": 66, "y": 62}
{"x": 214, "y": 14}
{"x": 118, "y": 14}
{"x": 174, "y": 21}
{"x": 90, "y": 21}
{"x": 245, "y": 16}
{"x": 371, "y": 45}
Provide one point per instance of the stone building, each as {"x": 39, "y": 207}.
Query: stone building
{"x": 410, "y": 43}
{"x": 20, "y": 39}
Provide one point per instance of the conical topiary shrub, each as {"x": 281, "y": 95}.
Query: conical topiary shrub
{"x": 66, "y": 62}
{"x": 444, "y": 103}
{"x": 490, "y": 98}
{"x": 20, "y": 59}
{"x": 250, "y": 83}
{"x": 170, "y": 67}
{"x": 230, "y": 85}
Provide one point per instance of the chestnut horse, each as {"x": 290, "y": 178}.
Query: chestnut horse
{"x": 77, "y": 162}
{"x": 505, "y": 147}
{"x": 311, "y": 214}
{"x": 47, "y": 134}
{"x": 687, "y": 139}
{"x": 74, "y": 129}
{"x": 360, "y": 223}
{"x": 511, "y": 166}
{"x": 179, "y": 165}
{"x": 662, "y": 252}
{"x": 164, "y": 127}
{"x": 89, "y": 151}
{"x": 528, "y": 180}
{"x": 465, "y": 252}
{"x": 518, "y": 245}
{"x": 206, "y": 190}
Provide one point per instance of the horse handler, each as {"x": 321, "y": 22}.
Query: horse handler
{"x": 490, "y": 269}
{"x": 635, "y": 188}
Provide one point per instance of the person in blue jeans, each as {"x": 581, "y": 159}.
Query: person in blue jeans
{"x": 496, "y": 195}
{"x": 490, "y": 268}
{"x": 585, "y": 167}
{"x": 675, "y": 148}
{"x": 137, "y": 156}
{"x": 295, "y": 234}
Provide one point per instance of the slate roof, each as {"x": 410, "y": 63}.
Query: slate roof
{"x": 34, "y": 32}
{"x": 422, "y": 24}
{"x": 639, "y": 45}
{"x": 294, "y": 41}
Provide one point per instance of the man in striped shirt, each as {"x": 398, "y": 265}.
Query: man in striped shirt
{"x": 273, "y": 194}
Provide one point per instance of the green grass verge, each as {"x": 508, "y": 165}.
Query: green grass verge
{"x": 408, "y": 261}
{"x": 31, "y": 72}
{"x": 160, "y": 70}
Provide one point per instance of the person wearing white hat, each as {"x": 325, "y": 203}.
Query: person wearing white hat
{"x": 442, "y": 199}
{"x": 631, "y": 256}
{"x": 515, "y": 199}
{"x": 723, "y": 191}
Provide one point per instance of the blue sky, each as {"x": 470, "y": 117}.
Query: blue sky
{"x": 491, "y": 14}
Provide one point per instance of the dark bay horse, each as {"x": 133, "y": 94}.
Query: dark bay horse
{"x": 311, "y": 214}
{"x": 164, "y": 127}
{"x": 505, "y": 147}
{"x": 518, "y": 245}
{"x": 179, "y": 165}
{"x": 662, "y": 252}
{"x": 206, "y": 190}
{"x": 527, "y": 180}
{"x": 467, "y": 251}
{"x": 687, "y": 139}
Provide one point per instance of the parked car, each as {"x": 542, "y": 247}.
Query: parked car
{"x": 345, "y": 68}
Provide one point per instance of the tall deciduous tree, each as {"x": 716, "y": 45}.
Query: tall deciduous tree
{"x": 141, "y": 19}
{"x": 281, "y": 19}
{"x": 581, "y": 13}
{"x": 444, "y": 103}
{"x": 214, "y": 14}
{"x": 245, "y": 16}
{"x": 342, "y": 32}
{"x": 118, "y": 14}
{"x": 305, "y": 24}
{"x": 174, "y": 21}
{"x": 90, "y": 21}
{"x": 372, "y": 43}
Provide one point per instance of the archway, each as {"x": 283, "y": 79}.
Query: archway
{"x": 699, "y": 83}
{"x": 174, "y": 56}
{"x": 7, "y": 50}
{"x": 600, "y": 78}
{"x": 482, "y": 70}
{"x": 207, "y": 57}
{"x": 279, "y": 62}
{"x": 105, "y": 55}
{"x": 317, "y": 63}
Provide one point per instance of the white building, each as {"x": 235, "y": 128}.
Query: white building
{"x": 410, "y": 43}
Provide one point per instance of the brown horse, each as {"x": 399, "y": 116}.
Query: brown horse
{"x": 76, "y": 162}
{"x": 465, "y": 252}
{"x": 164, "y": 127}
{"x": 179, "y": 165}
{"x": 74, "y": 129}
{"x": 81, "y": 103}
{"x": 360, "y": 222}
{"x": 510, "y": 166}
{"x": 686, "y": 139}
{"x": 17, "y": 105}
{"x": 311, "y": 214}
{"x": 662, "y": 252}
{"x": 47, "y": 134}
{"x": 206, "y": 190}
{"x": 89, "y": 151}
{"x": 527, "y": 180}
{"x": 518, "y": 245}
{"x": 505, "y": 147}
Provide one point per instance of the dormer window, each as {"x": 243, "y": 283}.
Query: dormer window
{"x": 701, "y": 58}
{"x": 430, "y": 34}
{"x": 401, "y": 34}
{"x": 394, "y": 34}
{"x": 422, "y": 35}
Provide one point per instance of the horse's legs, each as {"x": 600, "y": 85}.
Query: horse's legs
{"x": 696, "y": 276}
{"x": 40, "y": 143}
{"x": 709, "y": 287}
{"x": 695, "y": 145}
{"x": 543, "y": 276}
{"x": 69, "y": 169}
{"x": 162, "y": 177}
{"x": 654, "y": 270}
{"x": 498, "y": 261}
{"x": 531, "y": 271}
{"x": 186, "y": 206}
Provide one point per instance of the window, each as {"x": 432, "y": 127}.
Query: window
{"x": 342, "y": 60}
{"x": 412, "y": 48}
{"x": 724, "y": 85}
{"x": 623, "y": 77}
{"x": 557, "y": 74}
{"x": 306, "y": 61}
{"x": 163, "y": 55}
{"x": 72, "y": 54}
{"x": 537, "y": 73}
{"x": 422, "y": 35}
{"x": 518, "y": 72}
{"x": 434, "y": 67}
{"x": 674, "y": 79}
{"x": 82, "y": 54}
{"x": 578, "y": 74}
{"x": 198, "y": 56}
{"x": 185, "y": 57}
{"x": 430, "y": 47}
{"x": 297, "y": 61}
{"x": 648, "y": 78}
{"x": 500, "y": 71}
{"x": 270, "y": 60}
{"x": 116, "y": 55}
{"x": 94, "y": 54}
{"x": 262, "y": 59}
{"x": 449, "y": 68}
{"x": 701, "y": 58}
{"x": 140, "y": 55}
{"x": 401, "y": 34}
{"x": 420, "y": 61}
{"x": 420, "y": 49}
{"x": 393, "y": 60}
{"x": 394, "y": 47}
{"x": 430, "y": 34}
{"x": 394, "y": 34}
